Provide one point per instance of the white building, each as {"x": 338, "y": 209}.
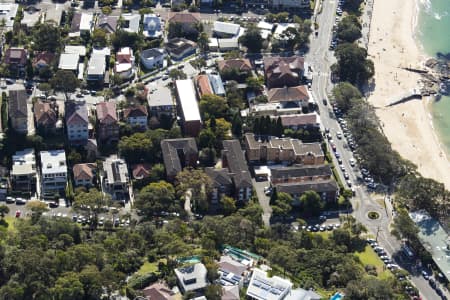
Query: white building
{"x": 152, "y": 26}
{"x": 262, "y": 287}
{"x": 131, "y": 22}
{"x": 153, "y": 58}
{"x": 23, "y": 173}
{"x": 69, "y": 61}
{"x": 77, "y": 122}
{"x": 96, "y": 68}
{"x": 189, "y": 106}
{"x": 54, "y": 171}
{"x": 191, "y": 278}
{"x": 226, "y": 30}
{"x": 116, "y": 177}
{"x": 124, "y": 62}
{"x": 8, "y": 12}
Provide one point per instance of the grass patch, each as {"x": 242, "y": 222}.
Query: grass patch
{"x": 11, "y": 222}
{"x": 149, "y": 267}
{"x": 369, "y": 257}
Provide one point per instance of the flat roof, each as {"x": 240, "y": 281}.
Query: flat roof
{"x": 53, "y": 161}
{"x": 228, "y": 28}
{"x": 435, "y": 239}
{"x": 80, "y": 50}
{"x": 262, "y": 287}
{"x": 86, "y": 21}
{"x": 97, "y": 65}
{"x": 162, "y": 96}
{"x": 68, "y": 61}
{"x": 188, "y": 100}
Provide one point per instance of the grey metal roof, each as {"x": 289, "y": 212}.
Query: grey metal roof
{"x": 236, "y": 163}
{"x": 300, "y": 171}
{"x": 170, "y": 149}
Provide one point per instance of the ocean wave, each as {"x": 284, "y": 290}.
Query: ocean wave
{"x": 438, "y": 16}
{"x": 426, "y": 4}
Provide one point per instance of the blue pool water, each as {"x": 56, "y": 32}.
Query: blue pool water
{"x": 336, "y": 296}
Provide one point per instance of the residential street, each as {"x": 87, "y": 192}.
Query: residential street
{"x": 321, "y": 59}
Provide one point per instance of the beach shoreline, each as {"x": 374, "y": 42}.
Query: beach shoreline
{"x": 408, "y": 126}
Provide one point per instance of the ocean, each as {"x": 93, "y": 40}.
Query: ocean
{"x": 432, "y": 27}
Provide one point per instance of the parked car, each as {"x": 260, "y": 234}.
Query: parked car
{"x": 10, "y": 200}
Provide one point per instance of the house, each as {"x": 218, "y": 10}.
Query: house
{"x": 8, "y": 14}
{"x": 76, "y": 49}
{"x": 327, "y": 189}
{"x": 131, "y": 22}
{"x": 233, "y": 159}
{"x": 226, "y": 30}
{"x": 54, "y": 172}
{"x": 283, "y": 4}
{"x": 153, "y": 58}
{"x": 263, "y": 287}
{"x": 77, "y": 122}
{"x": 108, "y": 23}
{"x": 31, "y": 16}
{"x": 298, "y": 121}
{"x": 189, "y": 111}
{"x": 96, "y": 68}
{"x": 179, "y": 48}
{"x": 116, "y": 178}
{"x": 191, "y": 278}
{"x": 188, "y": 21}
{"x": 16, "y": 58}
{"x": 84, "y": 174}
{"x": 107, "y": 122}
{"x": 43, "y": 59}
{"x": 230, "y": 292}
{"x": 23, "y": 173}
{"x": 216, "y": 84}
{"x": 283, "y": 71}
{"x": 124, "y": 63}
{"x": 141, "y": 171}
{"x": 289, "y": 97}
{"x": 152, "y": 26}
{"x": 273, "y": 149}
{"x": 203, "y": 85}
{"x": 222, "y": 184}
{"x": 228, "y": 44}
{"x": 18, "y": 110}
{"x": 69, "y": 61}
{"x": 300, "y": 173}
{"x": 81, "y": 23}
{"x": 234, "y": 69}
{"x": 136, "y": 116}
{"x": 161, "y": 102}
{"x": 228, "y": 264}
{"x": 158, "y": 291}
{"x": 178, "y": 154}
{"x": 45, "y": 116}
{"x": 53, "y": 12}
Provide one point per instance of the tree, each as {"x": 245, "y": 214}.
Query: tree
{"x": 198, "y": 183}
{"x": 368, "y": 288}
{"x": 177, "y": 74}
{"x": 64, "y": 81}
{"x": 213, "y": 105}
{"x": 46, "y": 37}
{"x": 4, "y": 210}
{"x": 213, "y": 292}
{"x": 202, "y": 42}
{"x": 99, "y": 38}
{"x": 255, "y": 83}
{"x": 136, "y": 147}
{"x": 344, "y": 93}
{"x": 312, "y": 203}
{"x": 282, "y": 256}
{"x": 228, "y": 205}
{"x": 353, "y": 6}
{"x": 92, "y": 202}
{"x": 37, "y": 209}
{"x": 349, "y": 29}
{"x": 122, "y": 38}
{"x": 252, "y": 39}
{"x": 68, "y": 286}
{"x": 352, "y": 64}
{"x": 156, "y": 198}
{"x": 282, "y": 205}
{"x": 405, "y": 226}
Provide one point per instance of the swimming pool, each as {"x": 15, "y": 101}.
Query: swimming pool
{"x": 336, "y": 296}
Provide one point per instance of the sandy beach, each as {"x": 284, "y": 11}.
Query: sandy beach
{"x": 408, "y": 126}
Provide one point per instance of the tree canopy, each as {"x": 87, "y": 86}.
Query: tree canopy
{"x": 46, "y": 37}
{"x": 349, "y": 29}
{"x": 156, "y": 198}
{"x": 64, "y": 81}
{"x": 352, "y": 64}
{"x": 252, "y": 39}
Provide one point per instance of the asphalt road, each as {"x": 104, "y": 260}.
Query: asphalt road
{"x": 321, "y": 59}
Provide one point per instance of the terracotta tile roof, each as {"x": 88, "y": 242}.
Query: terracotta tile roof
{"x": 204, "y": 86}
{"x": 42, "y": 58}
{"x": 141, "y": 171}
{"x": 106, "y": 112}
{"x": 158, "y": 291}
{"x": 16, "y": 56}
{"x": 84, "y": 171}
{"x": 293, "y": 62}
{"x": 185, "y": 18}
{"x": 45, "y": 114}
{"x": 135, "y": 111}
{"x": 283, "y": 71}
{"x": 242, "y": 64}
{"x": 286, "y": 94}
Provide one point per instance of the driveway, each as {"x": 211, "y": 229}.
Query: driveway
{"x": 264, "y": 200}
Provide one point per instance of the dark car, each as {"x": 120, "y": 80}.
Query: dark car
{"x": 53, "y": 204}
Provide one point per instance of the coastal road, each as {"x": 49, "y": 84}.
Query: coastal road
{"x": 321, "y": 60}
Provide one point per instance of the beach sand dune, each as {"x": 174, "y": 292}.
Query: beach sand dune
{"x": 407, "y": 126}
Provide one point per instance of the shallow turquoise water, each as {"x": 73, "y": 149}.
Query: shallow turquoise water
{"x": 433, "y": 34}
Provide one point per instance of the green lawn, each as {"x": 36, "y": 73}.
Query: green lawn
{"x": 149, "y": 267}
{"x": 369, "y": 257}
{"x": 11, "y": 222}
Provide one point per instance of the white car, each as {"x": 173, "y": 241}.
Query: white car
{"x": 352, "y": 162}
{"x": 339, "y": 135}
